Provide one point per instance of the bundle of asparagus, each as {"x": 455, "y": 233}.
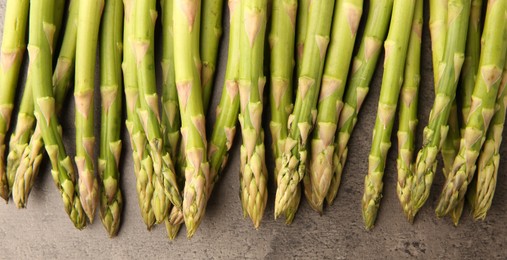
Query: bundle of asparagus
{"x": 175, "y": 167}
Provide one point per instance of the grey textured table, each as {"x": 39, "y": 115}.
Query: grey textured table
{"x": 43, "y": 230}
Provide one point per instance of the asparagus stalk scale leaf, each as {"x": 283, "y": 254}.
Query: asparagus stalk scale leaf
{"x": 111, "y": 200}
{"x": 281, "y": 39}
{"x": 254, "y": 175}
{"x": 302, "y": 119}
{"x": 86, "y": 48}
{"x": 186, "y": 24}
{"x": 436, "y": 131}
{"x": 363, "y": 67}
{"x": 482, "y": 108}
{"x": 347, "y": 16}
{"x": 41, "y": 34}
{"x": 408, "y": 107}
{"x": 143, "y": 164}
{"x": 26, "y": 145}
{"x": 395, "y": 47}
{"x": 11, "y": 56}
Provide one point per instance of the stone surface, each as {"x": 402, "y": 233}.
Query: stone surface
{"x": 43, "y": 230}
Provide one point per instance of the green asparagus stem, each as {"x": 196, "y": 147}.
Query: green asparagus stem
{"x": 482, "y": 108}
{"x": 408, "y": 108}
{"x": 436, "y": 131}
{"x": 211, "y": 32}
{"x": 483, "y": 189}
{"x": 186, "y": 23}
{"x": 143, "y": 164}
{"x": 254, "y": 174}
{"x": 467, "y": 81}
{"x": 281, "y": 39}
{"x": 303, "y": 11}
{"x": 471, "y": 64}
{"x": 170, "y": 108}
{"x": 111, "y": 200}
{"x": 86, "y": 47}
{"x": 363, "y": 67}
{"x": 302, "y": 119}
{"x": 227, "y": 111}
{"x": 59, "y": 12}
{"x": 11, "y": 56}
{"x": 41, "y": 37}
{"x": 170, "y": 116}
{"x": 395, "y": 47}
{"x": 166, "y": 187}
{"x": 347, "y": 16}
{"x": 26, "y": 145}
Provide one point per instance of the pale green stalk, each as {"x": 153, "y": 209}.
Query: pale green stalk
{"x": 302, "y": 119}
{"x": 41, "y": 35}
{"x": 171, "y": 121}
{"x": 436, "y": 131}
{"x": 395, "y": 47}
{"x": 26, "y": 145}
{"x": 408, "y": 103}
{"x": 86, "y": 48}
{"x": 211, "y": 32}
{"x": 467, "y": 80}
{"x": 483, "y": 188}
{"x": 227, "y": 111}
{"x": 363, "y": 67}
{"x": 166, "y": 188}
{"x": 143, "y": 164}
{"x": 11, "y": 57}
{"x": 303, "y": 11}
{"x": 111, "y": 200}
{"x": 482, "y": 110}
{"x": 281, "y": 39}
{"x": 347, "y": 15}
{"x": 254, "y": 173}
{"x": 186, "y": 23}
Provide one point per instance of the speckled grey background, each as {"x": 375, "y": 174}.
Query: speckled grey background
{"x": 43, "y": 230}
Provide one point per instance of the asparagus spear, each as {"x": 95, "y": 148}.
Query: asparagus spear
{"x": 39, "y": 48}
{"x": 301, "y": 31}
{"x": 482, "y": 108}
{"x": 396, "y": 51}
{"x": 211, "y": 32}
{"x": 436, "y": 131}
{"x": 281, "y": 38}
{"x": 347, "y": 16}
{"x": 300, "y": 122}
{"x": 86, "y": 47}
{"x": 59, "y": 12}
{"x": 111, "y": 200}
{"x": 11, "y": 56}
{"x": 170, "y": 116}
{"x": 143, "y": 164}
{"x": 467, "y": 81}
{"x": 363, "y": 67}
{"x": 227, "y": 111}
{"x": 254, "y": 174}
{"x": 186, "y": 23}
{"x": 26, "y": 146}
{"x": 408, "y": 108}
{"x": 483, "y": 189}
{"x": 166, "y": 189}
